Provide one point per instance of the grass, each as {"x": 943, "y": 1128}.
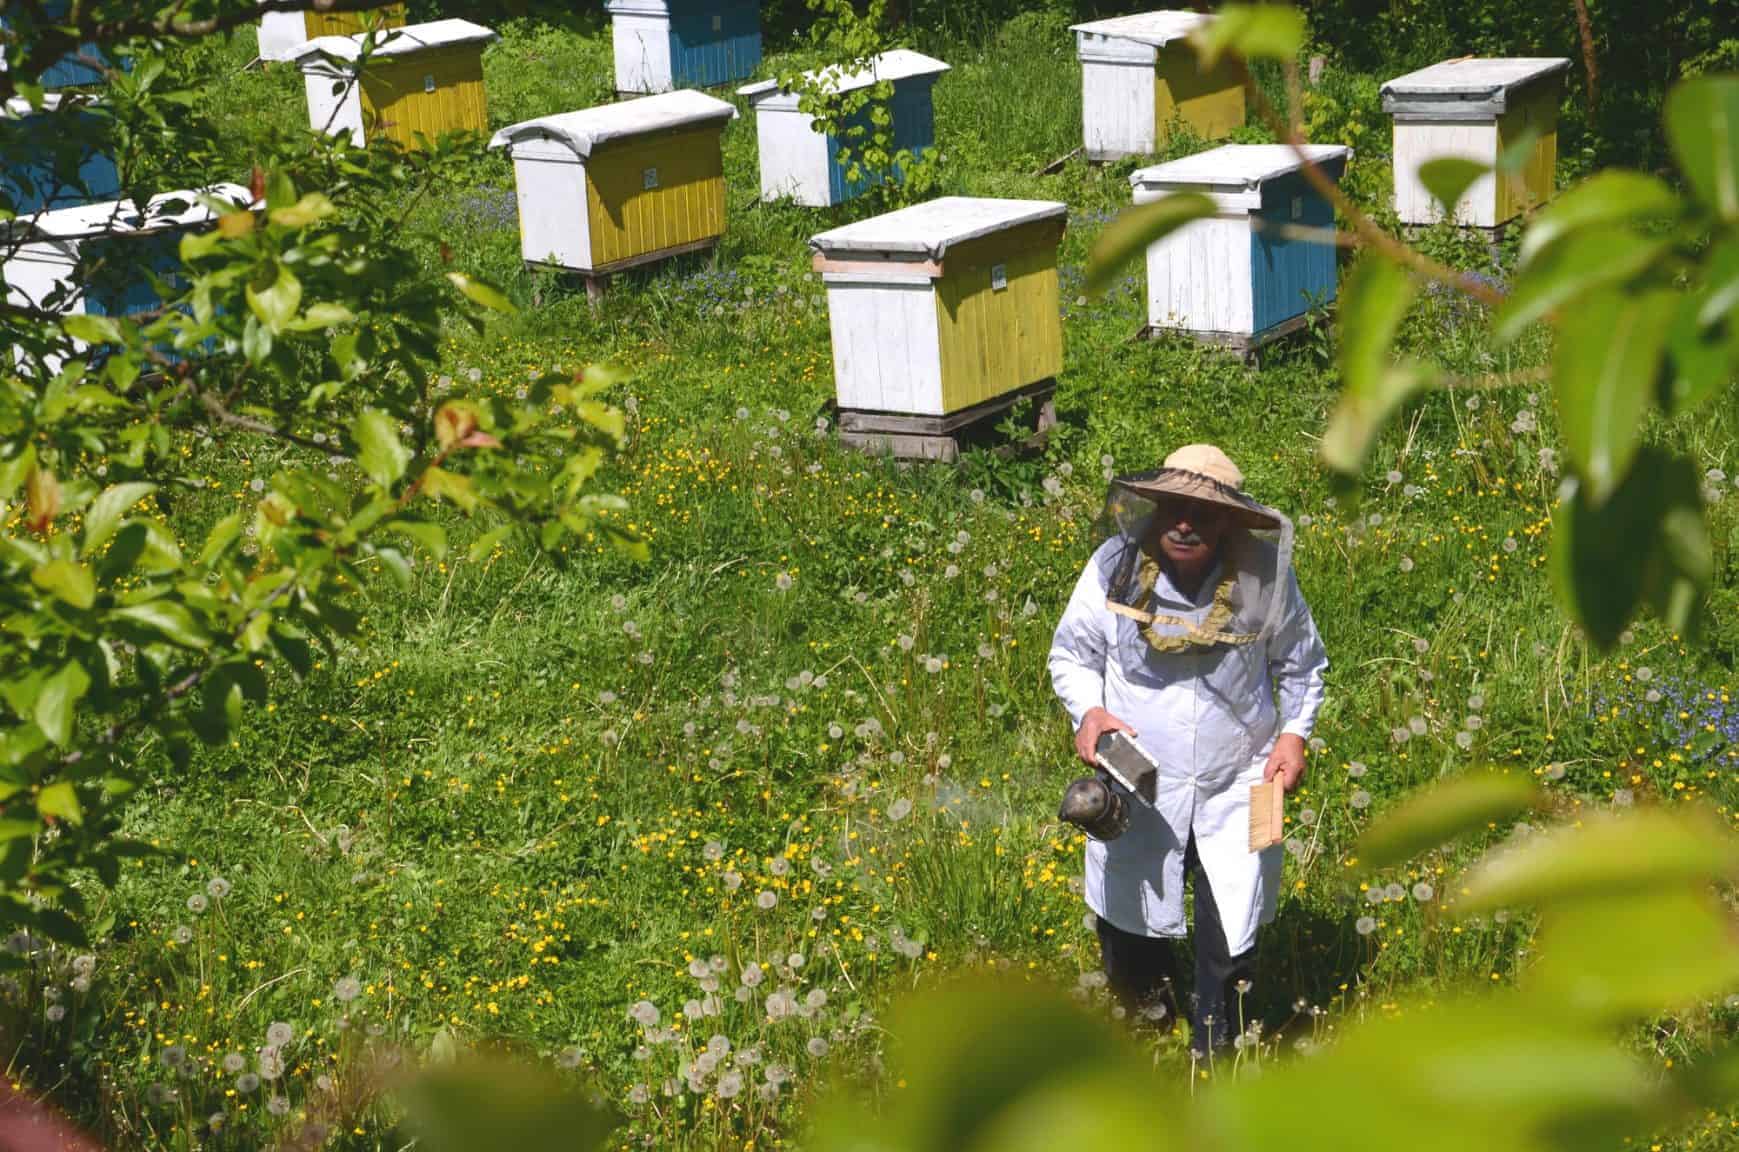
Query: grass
{"x": 809, "y": 751}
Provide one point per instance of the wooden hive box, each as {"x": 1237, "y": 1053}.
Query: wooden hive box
{"x": 282, "y": 34}
{"x": 40, "y": 156}
{"x": 1477, "y": 108}
{"x": 944, "y": 307}
{"x": 805, "y": 165}
{"x": 75, "y": 69}
{"x": 97, "y": 259}
{"x": 663, "y": 45}
{"x": 423, "y": 79}
{"x": 1139, "y": 72}
{"x": 1229, "y": 279}
{"x": 619, "y": 185}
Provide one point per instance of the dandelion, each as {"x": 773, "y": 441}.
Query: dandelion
{"x": 783, "y": 582}
{"x": 1476, "y": 702}
{"x": 1395, "y": 892}
{"x": 776, "y": 1074}
{"x": 1307, "y": 817}
{"x": 182, "y": 934}
{"x": 932, "y": 664}
{"x": 713, "y": 851}
{"x": 752, "y": 975}
{"x": 1510, "y": 544}
{"x": 899, "y": 809}
{"x": 1417, "y": 725}
{"x": 234, "y": 1062}
{"x": 766, "y": 900}
{"x": 1360, "y": 799}
{"x": 173, "y": 1056}
{"x": 1365, "y": 925}
{"x": 1645, "y": 674}
{"x": 84, "y": 965}
{"x": 1464, "y": 740}
{"x": 247, "y": 1083}
{"x": 1473, "y": 722}
{"x": 606, "y": 697}
{"x": 779, "y": 866}
{"x": 1624, "y": 798}
{"x": 347, "y": 989}
{"x": 1406, "y": 564}
{"x": 1394, "y": 476}
{"x": 732, "y": 881}
{"x": 1424, "y": 892}
{"x": 270, "y": 1064}
{"x": 951, "y": 571}
{"x": 1375, "y": 520}
{"x": 1356, "y": 769}
{"x": 197, "y": 903}
{"x": 729, "y": 1085}
{"x": 1421, "y": 645}
{"x": 1400, "y": 735}
{"x": 278, "y": 1106}
{"x": 55, "y": 1013}
{"x": 1554, "y": 771}
{"x": 1473, "y": 403}
{"x": 644, "y": 1013}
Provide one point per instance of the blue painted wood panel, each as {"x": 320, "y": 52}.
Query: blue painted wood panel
{"x": 43, "y": 151}
{"x": 913, "y": 110}
{"x": 713, "y": 43}
{"x": 113, "y": 269}
{"x": 1286, "y": 274}
{"x": 69, "y": 71}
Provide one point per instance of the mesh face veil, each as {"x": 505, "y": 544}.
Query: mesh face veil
{"x": 1248, "y": 582}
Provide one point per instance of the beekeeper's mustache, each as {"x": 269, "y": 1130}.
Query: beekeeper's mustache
{"x": 1183, "y": 539}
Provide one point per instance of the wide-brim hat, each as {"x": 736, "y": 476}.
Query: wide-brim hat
{"x": 1203, "y": 472}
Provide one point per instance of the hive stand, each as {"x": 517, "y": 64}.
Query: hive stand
{"x": 940, "y": 438}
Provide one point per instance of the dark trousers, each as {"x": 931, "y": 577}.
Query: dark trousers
{"x": 1142, "y": 970}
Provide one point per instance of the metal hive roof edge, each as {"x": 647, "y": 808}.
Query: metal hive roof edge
{"x": 898, "y": 64}
{"x": 405, "y": 41}
{"x": 122, "y": 217}
{"x": 585, "y": 130}
{"x": 1154, "y": 28}
{"x": 1240, "y": 166}
{"x": 1473, "y": 84}
{"x": 929, "y": 229}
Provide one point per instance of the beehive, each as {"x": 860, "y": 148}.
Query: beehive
{"x": 805, "y": 165}
{"x": 41, "y": 155}
{"x": 944, "y": 307}
{"x": 422, "y": 80}
{"x": 663, "y": 45}
{"x": 1478, "y": 109}
{"x": 282, "y": 34}
{"x": 78, "y": 68}
{"x": 623, "y": 184}
{"x": 1236, "y": 278}
{"x": 98, "y": 259}
{"x": 1139, "y": 73}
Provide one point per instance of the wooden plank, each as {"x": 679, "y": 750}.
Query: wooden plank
{"x": 629, "y": 220}
{"x": 905, "y": 423}
{"x": 823, "y": 265}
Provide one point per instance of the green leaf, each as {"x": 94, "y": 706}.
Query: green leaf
{"x": 1448, "y": 178}
{"x": 469, "y": 1105}
{"x": 1604, "y": 856}
{"x": 1682, "y": 567}
{"x": 222, "y": 536}
{"x": 1252, "y": 31}
{"x": 57, "y": 701}
{"x": 396, "y": 566}
{"x": 93, "y": 329}
{"x": 275, "y": 304}
{"x": 379, "y": 450}
{"x": 431, "y": 538}
{"x": 1575, "y": 265}
{"x": 67, "y": 579}
{"x": 60, "y": 800}
{"x": 311, "y": 208}
{"x": 479, "y": 292}
{"x": 1604, "y": 367}
{"x": 105, "y": 513}
{"x": 167, "y": 618}
{"x": 485, "y": 544}
{"x": 321, "y": 316}
{"x": 440, "y": 484}
{"x": 1437, "y": 814}
{"x": 1372, "y": 306}
{"x": 1615, "y": 196}
{"x": 1703, "y": 126}
{"x": 1128, "y": 236}
{"x": 1703, "y": 339}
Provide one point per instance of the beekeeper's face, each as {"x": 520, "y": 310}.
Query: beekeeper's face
{"x": 1189, "y": 531}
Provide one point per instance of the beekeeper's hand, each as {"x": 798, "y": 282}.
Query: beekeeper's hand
{"x": 1286, "y": 762}
{"x": 1095, "y": 724}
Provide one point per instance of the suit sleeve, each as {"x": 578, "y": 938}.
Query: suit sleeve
{"x": 1297, "y": 661}
{"x": 1077, "y": 659}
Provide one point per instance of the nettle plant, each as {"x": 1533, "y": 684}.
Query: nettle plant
{"x": 138, "y": 618}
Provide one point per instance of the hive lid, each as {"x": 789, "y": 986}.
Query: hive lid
{"x": 1153, "y": 28}
{"x": 1472, "y": 83}
{"x": 585, "y": 130}
{"x": 122, "y": 217}
{"x": 900, "y": 64}
{"x": 928, "y": 230}
{"x": 406, "y": 41}
{"x": 1235, "y": 167}
{"x": 639, "y": 7}
{"x": 51, "y": 102}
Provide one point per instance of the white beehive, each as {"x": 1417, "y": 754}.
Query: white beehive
{"x": 422, "y": 79}
{"x": 805, "y": 165}
{"x": 1140, "y": 72}
{"x": 1230, "y": 279}
{"x": 1477, "y": 109}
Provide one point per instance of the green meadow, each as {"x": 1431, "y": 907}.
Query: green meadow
{"x": 688, "y": 826}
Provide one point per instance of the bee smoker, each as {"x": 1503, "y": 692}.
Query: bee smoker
{"x": 1099, "y": 805}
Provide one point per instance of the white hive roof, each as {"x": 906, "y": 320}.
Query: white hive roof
{"x": 1153, "y": 28}
{"x": 900, "y": 64}
{"x": 928, "y": 230}
{"x": 583, "y": 131}
{"x": 1239, "y": 167}
{"x": 118, "y": 217}
{"x": 406, "y": 41}
{"x": 1471, "y": 84}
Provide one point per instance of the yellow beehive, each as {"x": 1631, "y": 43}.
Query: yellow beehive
{"x": 622, "y": 184}
{"x": 1139, "y": 74}
{"x": 422, "y": 80}
{"x": 282, "y": 34}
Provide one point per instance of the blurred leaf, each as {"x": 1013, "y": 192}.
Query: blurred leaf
{"x": 67, "y": 579}
{"x": 378, "y": 448}
{"x": 94, "y": 329}
{"x": 1127, "y": 237}
{"x": 1702, "y": 116}
{"x": 1605, "y": 856}
{"x": 1372, "y": 306}
{"x": 60, "y": 801}
{"x": 320, "y": 316}
{"x": 1434, "y": 815}
{"x": 311, "y": 208}
{"x": 1682, "y": 566}
{"x": 275, "y": 304}
{"x": 481, "y": 293}
{"x": 431, "y": 538}
{"x": 473, "y": 1105}
{"x": 1250, "y": 31}
{"x": 1089, "y": 1112}
{"x": 486, "y": 543}
{"x": 440, "y": 484}
{"x": 1614, "y": 196}
{"x": 1608, "y": 352}
{"x": 1617, "y": 956}
{"x": 1703, "y": 339}
{"x": 1448, "y": 178}
{"x": 57, "y": 701}
{"x": 104, "y": 514}
{"x": 1579, "y": 263}
{"x": 168, "y": 619}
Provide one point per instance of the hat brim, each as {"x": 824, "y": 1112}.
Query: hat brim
{"x": 1195, "y": 486}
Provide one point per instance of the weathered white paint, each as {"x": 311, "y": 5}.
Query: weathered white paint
{"x": 282, "y": 34}
{"x": 926, "y": 231}
{"x": 640, "y": 38}
{"x": 887, "y": 353}
{"x": 1472, "y": 87}
{"x": 553, "y": 227}
{"x": 1118, "y": 58}
{"x": 1415, "y": 143}
{"x": 334, "y": 100}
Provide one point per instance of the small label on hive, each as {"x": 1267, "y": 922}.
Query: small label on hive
{"x": 1298, "y": 207}
{"x": 649, "y": 178}
{"x": 428, "y": 83}
{"x": 718, "y": 22}
{"x": 998, "y": 277}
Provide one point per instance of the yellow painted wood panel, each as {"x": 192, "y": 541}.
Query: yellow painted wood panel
{"x": 995, "y": 341}
{"x": 1211, "y": 103}
{"x": 397, "y": 104}
{"x": 350, "y": 23}
{"x": 1535, "y": 110}
{"x": 630, "y": 220}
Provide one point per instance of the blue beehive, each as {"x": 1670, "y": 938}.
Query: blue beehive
{"x": 69, "y": 71}
{"x": 663, "y": 45}
{"x": 1239, "y": 278}
{"x": 48, "y": 161}
{"x": 805, "y": 165}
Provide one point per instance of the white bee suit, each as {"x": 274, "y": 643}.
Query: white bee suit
{"x": 1209, "y": 716}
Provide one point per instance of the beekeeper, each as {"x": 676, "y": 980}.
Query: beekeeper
{"x": 1188, "y": 631}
